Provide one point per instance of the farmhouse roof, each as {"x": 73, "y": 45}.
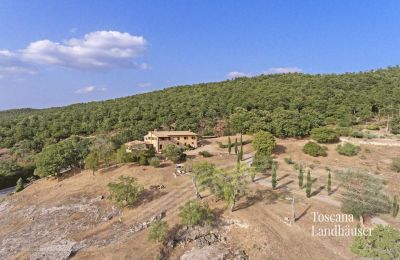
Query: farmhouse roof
{"x": 172, "y": 133}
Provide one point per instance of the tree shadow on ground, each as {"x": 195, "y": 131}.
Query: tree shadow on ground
{"x": 264, "y": 176}
{"x": 148, "y": 196}
{"x": 314, "y": 180}
{"x": 284, "y": 185}
{"x": 317, "y": 191}
{"x": 267, "y": 195}
{"x": 335, "y": 190}
{"x": 109, "y": 168}
{"x": 283, "y": 177}
{"x": 303, "y": 213}
{"x": 279, "y": 149}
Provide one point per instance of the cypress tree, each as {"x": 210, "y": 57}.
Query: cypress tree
{"x": 309, "y": 184}
{"x": 329, "y": 182}
{"x": 229, "y": 145}
{"x": 273, "y": 180}
{"x": 236, "y": 147}
{"x": 395, "y": 207}
{"x": 301, "y": 177}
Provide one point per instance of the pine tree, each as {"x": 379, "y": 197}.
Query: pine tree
{"x": 273, "y": 180}
{"x": 329, "y": 183}
{"x": 20, "y": 185}
{"x": 301, "y": 177}
{"x": 229, "y": 145}
{"x": 236, "y": 146}
{"x": 308, "y": 185}
{"x": 395, "y": 207}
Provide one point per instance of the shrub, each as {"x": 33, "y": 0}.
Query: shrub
{"x": 314, "y": 149}
{"x": 396, "y": 165}
{"x": 158, "y": 231}
{"x": 126, "y": 192}
{"x": 347, "y": 149}
{"x": 262, "y": 162}
{"x": 264, "y": 142}
{"x": 20, "y": 185}
{"x": 173, "y": 153}
{"x": 222, "y": 145}
{"x": 155, "y": 162}
{"x": 343, "y": 131}
{"x": 193, "y": 213}
{"x": 324, "y": 135}
{"x": 205, "y": 154}
{"x": 143, "y": 160}
{"x": 382, "y": 243}
{"x": 373, "y": 127}
{"x": 357, "y": 134}
{"x": 395, "y": 125}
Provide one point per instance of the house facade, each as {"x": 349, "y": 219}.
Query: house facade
{"x": 160, "y": 139}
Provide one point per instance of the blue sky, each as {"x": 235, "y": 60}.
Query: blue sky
{"x": 54, "y": 53}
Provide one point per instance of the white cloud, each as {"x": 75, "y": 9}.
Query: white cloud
{"x": 89, "y": 89}
{"x": 281, "y": 70}
{"x": 144, "y": 85}
{"x": 236, "y": 74}
{"x": 73, "y": 30}
{"x": 100, "y": 50}
{"x": 96, "y": 50}
{"x": 12, "y": 66}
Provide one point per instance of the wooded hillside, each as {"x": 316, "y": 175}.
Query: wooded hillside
{"x": 340, "y": 99}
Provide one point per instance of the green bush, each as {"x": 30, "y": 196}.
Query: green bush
{"x": 222, "y": 145}
{"x": 396, "y": 165}
{"x": 395, "y": 125}
{"x": 20, "y": 185}
{"x": 347, "y": 149}
{"x": 357, "y": 134}
{"x": 264, "y": 142}
{"x": 143, "y": 160}
{"x": 373, "y": 127}
{"x": 126, "y": 192}
{"x": 314, "y": 149}
{"x": 205, "y": 154}
{"x": 158, "y": 231}
{"x": 324, "y": 135}
{"x": 382, "y": 243}
{"x": 174, "y": 153}
{"x": 343, "y": 131}
{"x": 262, "y": 162}
{"x": 155, "y": 162}
{"x": 194, "y": 213}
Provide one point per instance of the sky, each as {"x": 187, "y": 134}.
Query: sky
{"x": 54, "y": 52}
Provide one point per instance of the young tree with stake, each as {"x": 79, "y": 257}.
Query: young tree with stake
{"x": 273, "y": 180}
{"x": 329, "y": 183}
{"x": 229, "y": 145}
{"x": 301, "y": 177}
{"x": 308, "y": 184}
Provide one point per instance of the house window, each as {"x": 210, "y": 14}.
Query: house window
{"x": 160, "y": 146}
{"x": 185, "y": 138}
{"x": 184, "y": 144}
{"x": 193, "y": 137}
{"x": 178, "y": 138}
{"x": 193, "y": 143}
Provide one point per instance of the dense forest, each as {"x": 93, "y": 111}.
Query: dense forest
{"x": 283, "y": 104}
